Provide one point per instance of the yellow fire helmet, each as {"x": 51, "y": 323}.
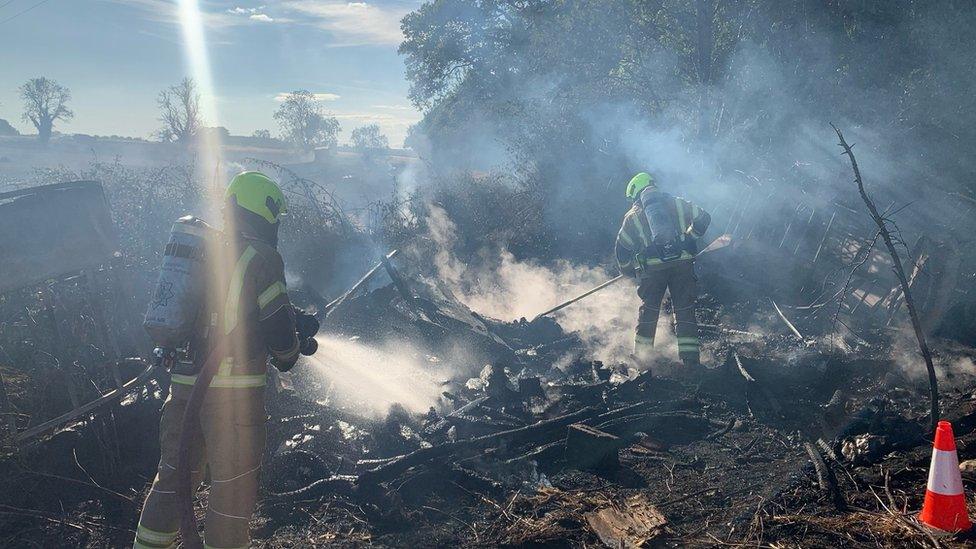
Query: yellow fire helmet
{"x": 257, "y": 193}
{"x": 638, "y": 183}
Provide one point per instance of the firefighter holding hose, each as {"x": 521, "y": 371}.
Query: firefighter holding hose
{"x": 220, "y": 309}
{"x": 657, "y": 244}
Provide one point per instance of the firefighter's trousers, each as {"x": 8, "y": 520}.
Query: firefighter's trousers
{"x": 678, "y": 277}
{"x": 230, "y": 446}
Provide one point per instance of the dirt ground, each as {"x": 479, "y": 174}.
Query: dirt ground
{"x": 718, "y": 459}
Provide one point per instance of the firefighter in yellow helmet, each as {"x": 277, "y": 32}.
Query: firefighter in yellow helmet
{"x": 656, "y": 244}
{"x": 247, "y": 303}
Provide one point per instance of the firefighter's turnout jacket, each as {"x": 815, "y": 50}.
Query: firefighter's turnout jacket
{"x": 638, "y": 257}
{"x": 252, "y": 309}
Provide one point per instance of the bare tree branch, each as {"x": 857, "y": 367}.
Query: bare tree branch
{"x": 902, "y": 279}
{"x": 45, "y": 102}
{"x": 179, "y": 108}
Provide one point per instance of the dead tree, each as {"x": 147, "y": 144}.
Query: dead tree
{"x": 179, "y": 111}
{"x": 881, "y": 222}
{"x": 45, "y": 102}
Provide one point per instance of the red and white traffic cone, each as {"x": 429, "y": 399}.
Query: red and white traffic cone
{"x": 945, "y": 502}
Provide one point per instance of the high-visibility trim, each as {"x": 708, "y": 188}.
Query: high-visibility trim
{"x": 229, "y": 382}
{"x": 681, "y": 216}
{"x": 944, "y": 476}
{"x": 154, "y": 538}
{"x": 626, "y": 238}
{"x": 271, "y": 293}
{"x": 226, "y": 367}
{"x": 140, "y": 543}
{"x": 241, "y": 381}
{"x": 183, "y": 379}
{"x": 688, "y": 340}
{"x": 640, "y": 229}
{"x": 232, "y": 305}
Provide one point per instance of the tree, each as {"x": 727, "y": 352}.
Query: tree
{"x": 368, "y": 138}
{"x": 45, "y": 101}
{"x": 303, "y": 122}
{"x": 262, "y": 134}
{"x": 179, "y": 107}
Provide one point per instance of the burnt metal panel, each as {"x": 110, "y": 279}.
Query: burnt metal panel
{"x": 52, "y": 230}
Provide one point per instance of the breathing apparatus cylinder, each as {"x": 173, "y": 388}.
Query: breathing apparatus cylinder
{"x": 179, "y": 293}
{"x": 659, "y": 210}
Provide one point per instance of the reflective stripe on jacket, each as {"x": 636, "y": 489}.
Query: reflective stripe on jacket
{"x": 253, "y": 291}
{"x": 634, "y": 237}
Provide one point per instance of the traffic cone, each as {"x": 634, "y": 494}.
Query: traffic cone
{"x": 945, "y": 502}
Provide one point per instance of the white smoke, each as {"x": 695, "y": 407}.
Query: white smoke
{"x": 954, "y": 365}
{"x": 507, "y": 289}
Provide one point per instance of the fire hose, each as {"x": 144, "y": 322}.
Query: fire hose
{"x": 191, "y": 424}
{"x": 306, "y": 326}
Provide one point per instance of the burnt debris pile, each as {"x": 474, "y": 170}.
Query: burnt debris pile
{"x": 782, "y": 438}
{"x": 422, "y": 421}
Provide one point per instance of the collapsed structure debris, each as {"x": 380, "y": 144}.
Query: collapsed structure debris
{"x": 793, "y": 432}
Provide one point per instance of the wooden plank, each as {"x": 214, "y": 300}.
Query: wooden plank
{"x": 111, "y": 396}
{"x": 629, "y": 524}
{"x": 359, "y": 284}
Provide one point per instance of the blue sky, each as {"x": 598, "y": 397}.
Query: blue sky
{"x": 116, "y": 55}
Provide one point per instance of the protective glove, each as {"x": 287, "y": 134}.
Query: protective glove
{"x": 283, "y": 366}
{"x": 305, "y": 324}
{"x": 308, "y": 346}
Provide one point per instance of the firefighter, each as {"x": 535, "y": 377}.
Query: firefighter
{"x": 657, "y": 244}
{"x": 247, "y": 303}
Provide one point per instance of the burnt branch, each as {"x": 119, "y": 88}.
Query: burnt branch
{"x": 886, "y": 236}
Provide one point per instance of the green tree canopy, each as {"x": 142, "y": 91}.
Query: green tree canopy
{"x": 304, "y": 123}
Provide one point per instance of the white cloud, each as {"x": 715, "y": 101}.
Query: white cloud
{"x": 237, "y": 10}
{"x": 318, "y": 96}
{"x": 352, "y": 23}
{"x": 348, "y": 23}
{"x": 167, "y": 11}
{"x": 394, "y": 107}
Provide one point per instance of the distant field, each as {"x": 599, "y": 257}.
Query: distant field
{"x": 355, "y": 181}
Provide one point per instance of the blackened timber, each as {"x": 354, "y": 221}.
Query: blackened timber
{"x": 359, "y": 284}
{"x": 398, "y": 282}
{"x": 539, "y": 430}
{"x": 787, "y": 321}
{"x": 882, "y": 224}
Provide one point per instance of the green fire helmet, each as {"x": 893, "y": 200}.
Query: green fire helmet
{"x": 638, "y": 183}
{"x": 257, "y": 193}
